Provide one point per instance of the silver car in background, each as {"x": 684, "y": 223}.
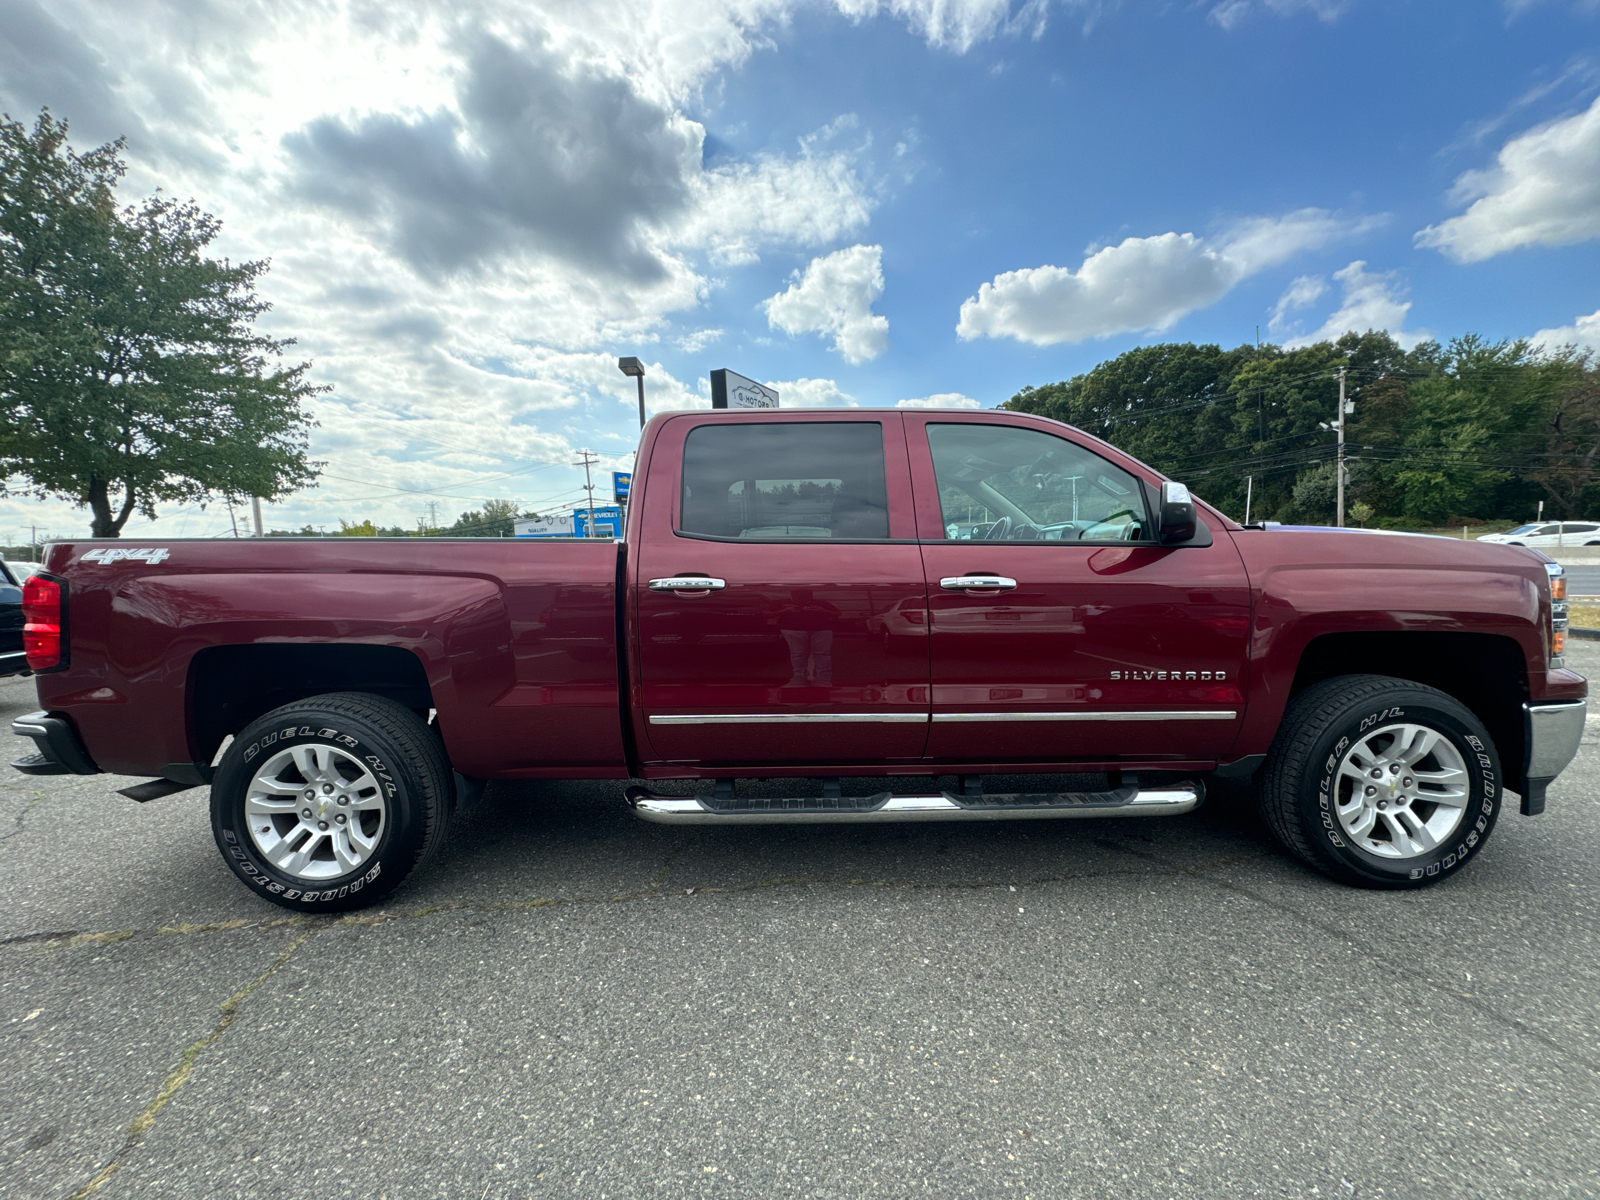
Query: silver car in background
{"x": 1549, "y": 533}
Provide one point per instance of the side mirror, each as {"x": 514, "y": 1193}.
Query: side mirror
{"x": 1175, "y": 523}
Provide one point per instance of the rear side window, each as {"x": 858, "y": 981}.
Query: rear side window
{"x": 781, "y": 482}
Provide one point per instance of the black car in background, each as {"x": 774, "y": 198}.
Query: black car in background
{"x": 12, "y": 660}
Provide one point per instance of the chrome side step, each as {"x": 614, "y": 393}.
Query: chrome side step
{"x": 1129, "y": 800}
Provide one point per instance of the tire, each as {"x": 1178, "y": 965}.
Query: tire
{"x": 1334, "y": 736}
{"x": 390, "y": 784}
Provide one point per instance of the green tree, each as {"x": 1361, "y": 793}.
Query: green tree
{"x": 1477, "y": 426}
{"x": 1569, "y": 467}
{"x": 497, "y": 518}
{"x": 130, "y": 372}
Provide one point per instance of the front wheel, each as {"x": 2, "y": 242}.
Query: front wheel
{"x": 1380, "y": 782}
{"x": 330, "y": 802}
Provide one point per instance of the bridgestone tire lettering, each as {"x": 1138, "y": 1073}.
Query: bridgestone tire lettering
{"x": 403, "y": 754}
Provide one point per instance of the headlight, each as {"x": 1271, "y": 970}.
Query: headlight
{"x": 1558, "y": 613}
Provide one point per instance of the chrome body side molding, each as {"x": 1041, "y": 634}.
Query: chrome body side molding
{"x": 905, "y": 718}
{"x": 1208, "y": 714}
{"x": 820, "y": 718}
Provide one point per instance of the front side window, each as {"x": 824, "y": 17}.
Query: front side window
{"x": 781, "y": 482}
{"x": 1002, "y": 483}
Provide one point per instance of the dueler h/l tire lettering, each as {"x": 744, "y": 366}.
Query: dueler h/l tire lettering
{"x": 329, "y": 803}
{"x": 1380, "y": 782}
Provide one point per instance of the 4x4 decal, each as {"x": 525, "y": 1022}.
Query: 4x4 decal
{"x": 106, "y": 556}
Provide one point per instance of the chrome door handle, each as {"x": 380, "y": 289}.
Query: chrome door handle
{"x": 693, "y": 584}
{"x": 977, "y": 583}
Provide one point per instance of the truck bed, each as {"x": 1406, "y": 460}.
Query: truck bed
{"x": 516, "y": 639}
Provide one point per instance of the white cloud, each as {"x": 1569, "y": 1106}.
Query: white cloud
{"x": 835, "y": 296}
{"x": 812, "y": 393}
{"x": 960, "y": 24}
{"x": 1302, "y": 292}
{"x": 940, "y": 400}
{"x": 810, "y": 200}
{"x": 1371, "y": 301}
{"x": 1143, "y": 283}
{"x": 1544, "y": 190}
{"x": 1584, "y": 333}
{"x": 450, "y": 263}
{"x": 1515, "y": 8}
{"x": 1230, "y": 12}
{"x": 698, "y": 340}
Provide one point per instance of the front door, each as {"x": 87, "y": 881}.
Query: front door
{"x": 1058, "y": 630}
{"x": 807, "y": 644}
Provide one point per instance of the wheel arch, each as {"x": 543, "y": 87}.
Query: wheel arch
{"x": 231, "y": 685}
{"x": 1485, "y": 672}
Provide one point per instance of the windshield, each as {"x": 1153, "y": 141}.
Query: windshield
{"x": 1522, "y": 529}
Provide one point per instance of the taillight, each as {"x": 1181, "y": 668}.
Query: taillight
{"x": 42, "y": 639}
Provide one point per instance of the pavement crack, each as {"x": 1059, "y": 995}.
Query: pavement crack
{"x": 1515, "y": 1024}
{"x": 22, "y": 817}
{"x": 180, "y": 1073}
{"x": 66, "y": 939}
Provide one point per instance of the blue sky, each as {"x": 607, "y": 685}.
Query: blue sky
{"x": 472, "y": 209}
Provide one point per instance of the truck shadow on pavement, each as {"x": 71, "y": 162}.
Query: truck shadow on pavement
{"x": 565, "y": 840}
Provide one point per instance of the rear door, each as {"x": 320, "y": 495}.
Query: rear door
{"x": 1059, "y": 630}
{"x": 781, "y": 610}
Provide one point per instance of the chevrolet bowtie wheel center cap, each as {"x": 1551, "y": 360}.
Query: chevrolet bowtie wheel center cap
{"x": 315, "y": 812}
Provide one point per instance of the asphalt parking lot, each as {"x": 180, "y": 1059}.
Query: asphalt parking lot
{"x": 569, "y": 1002}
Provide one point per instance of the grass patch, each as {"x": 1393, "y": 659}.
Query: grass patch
{"x": 1584, "y": 614}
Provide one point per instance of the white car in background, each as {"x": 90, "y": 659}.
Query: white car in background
{"x": 1549, "y": 533}
{"x": 21, "y": 570}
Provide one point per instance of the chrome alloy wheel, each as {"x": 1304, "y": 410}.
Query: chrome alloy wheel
{"x": 1401, "y": 790}
{"x": 315, "y": 812}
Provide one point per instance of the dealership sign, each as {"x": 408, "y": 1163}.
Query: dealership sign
{"x": 731, "y": 390}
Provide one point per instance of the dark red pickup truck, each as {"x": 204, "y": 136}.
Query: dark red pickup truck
{"x": 945, "y": 603}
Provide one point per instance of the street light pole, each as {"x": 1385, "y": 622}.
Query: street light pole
{"x": 633, "y": 368}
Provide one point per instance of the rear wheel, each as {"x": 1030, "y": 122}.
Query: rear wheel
{"x": 1380, "y": 782}
{"x": 330, "y": 802}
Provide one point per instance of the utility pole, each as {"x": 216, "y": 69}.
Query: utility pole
{"x": 255, "y": 511}
{"x": 586, "y": 462}
{"x": 232, "y": 520}
{"x": 433, "y": 514}
{"x": 1344, "y": 407}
